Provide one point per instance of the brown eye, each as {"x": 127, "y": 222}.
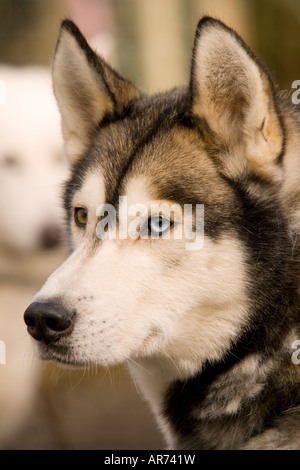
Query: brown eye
{"x": 80, "y": 216}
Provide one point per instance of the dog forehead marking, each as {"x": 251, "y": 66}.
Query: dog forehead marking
{"x": 136, "y": 190}
{"x": 91, "y": 193}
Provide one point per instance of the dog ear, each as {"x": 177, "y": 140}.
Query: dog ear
{"x": 232, "y": 92}
{"x": 86, "y": 88}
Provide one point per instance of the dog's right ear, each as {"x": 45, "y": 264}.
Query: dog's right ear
{"x": 86, "y": 88}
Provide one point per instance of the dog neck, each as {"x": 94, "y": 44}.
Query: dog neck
{"x": 152, "y": 377}
{"x": 225, "y": 403}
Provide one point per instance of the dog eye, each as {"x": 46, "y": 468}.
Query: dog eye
{"x": 157, "y": 225}
{"x": 80, "y": 216}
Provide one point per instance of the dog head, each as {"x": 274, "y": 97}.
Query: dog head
{"x": 147, "y": 171}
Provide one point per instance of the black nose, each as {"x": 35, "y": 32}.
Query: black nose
{"x": 48, "y": 321}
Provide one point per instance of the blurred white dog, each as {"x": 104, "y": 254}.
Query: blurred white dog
{"x": 31, "y": 160}
{"x": 32, "y": 169}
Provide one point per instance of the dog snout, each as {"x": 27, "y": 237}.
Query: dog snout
{"x": 48, "y": 321}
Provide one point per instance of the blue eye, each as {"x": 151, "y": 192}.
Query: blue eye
{"x": 158, "y": 225}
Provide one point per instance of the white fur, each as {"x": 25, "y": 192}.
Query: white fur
{"x": 131, "y": 304}
{"x": 32, "y": 166}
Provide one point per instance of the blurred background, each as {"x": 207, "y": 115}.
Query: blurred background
{"x": 150, "y": 42}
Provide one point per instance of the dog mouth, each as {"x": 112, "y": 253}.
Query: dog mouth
{"x": 65, "y": 354}
{"x": 60, "y": 354}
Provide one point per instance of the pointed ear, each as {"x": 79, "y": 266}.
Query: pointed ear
{"x": 232, "y": 92}
{"x": 86, "y": 88}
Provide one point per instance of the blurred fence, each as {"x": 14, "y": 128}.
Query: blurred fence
{"x": 153, "y": 38}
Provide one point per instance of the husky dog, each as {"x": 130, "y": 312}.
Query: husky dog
{"x": 208, "y": 333}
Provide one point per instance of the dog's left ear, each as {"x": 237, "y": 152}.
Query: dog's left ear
{"x": 232, "y": 92}
{"x": 88, "y": 91}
